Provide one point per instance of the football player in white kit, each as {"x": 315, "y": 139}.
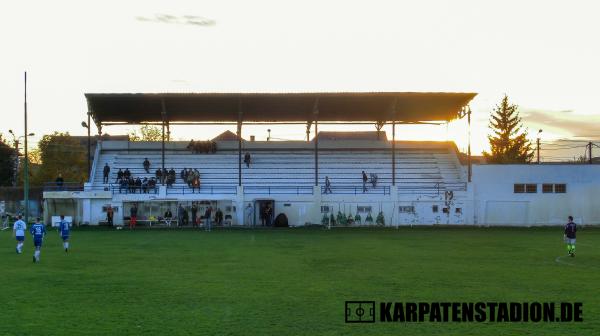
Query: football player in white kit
{"x": 19, "y": 232}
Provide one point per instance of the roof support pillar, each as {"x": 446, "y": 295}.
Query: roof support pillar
{"x": 162, "y": 148}
{"x": 470, "y": 169}
{"x": 239, "y": 134}
{"x": 378, "y": 126}
{"x": 394, "y": 116}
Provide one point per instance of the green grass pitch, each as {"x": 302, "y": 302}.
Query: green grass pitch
{"x": 289, "y": 281}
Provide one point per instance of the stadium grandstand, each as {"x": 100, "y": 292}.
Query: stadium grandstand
{"x": 316, "y": 181}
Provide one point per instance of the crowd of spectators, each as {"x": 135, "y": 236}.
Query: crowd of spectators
{"x": 135, "y": 185}
{"x": 191, "y": 177}
{"x": 205, "y": 147}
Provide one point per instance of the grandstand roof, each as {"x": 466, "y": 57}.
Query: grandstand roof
{"x": 276, "y": 107}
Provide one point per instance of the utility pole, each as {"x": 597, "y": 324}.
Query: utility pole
{"x": 538, "y": 146}
{"x": 538, "y": 150}
{"x": 590, "y": 152}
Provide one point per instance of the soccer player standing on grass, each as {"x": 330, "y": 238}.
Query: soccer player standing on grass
{"x": 38, "y": 231}
{"x": 570, "y": 231}
{"x": 63, "y": 231}
{"x": 19, "y": 232}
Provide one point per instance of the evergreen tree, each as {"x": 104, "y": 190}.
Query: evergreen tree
{"x": 509, "y": 144}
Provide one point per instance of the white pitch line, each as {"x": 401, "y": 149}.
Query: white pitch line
{"x": 559, "y": 260}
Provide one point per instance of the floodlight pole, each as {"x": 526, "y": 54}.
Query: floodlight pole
{"x": 316, "y": 120}
{"x": 26, "y": 172}
{"x": 239, "y": 135}
{"x": 162, "y": 151}
{"x": 394, "y": 151}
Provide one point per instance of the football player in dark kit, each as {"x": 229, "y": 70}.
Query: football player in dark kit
{"x": 570, "y": 231}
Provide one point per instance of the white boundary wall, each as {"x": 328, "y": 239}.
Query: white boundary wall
{"x": 496, "y": 203}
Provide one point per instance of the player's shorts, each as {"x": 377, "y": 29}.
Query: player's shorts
{"x": 65, "y": 237}
{"x": 20, "y": 238}
{"x": 570, "y": 241}
{"x": 37, "y": 242}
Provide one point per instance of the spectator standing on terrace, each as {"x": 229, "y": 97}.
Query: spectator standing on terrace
{"x": 133, "y": 216}
{"x": 146, "y": 165}
{"x": 59, "y": 181}
{"x": 105, "y": 173}
{"x": 109, "y": 215}
{"x": 186, "y": 217}
{"x": 127, "y": 173}
{"x": 262, "y": 215}
{"x": 247, "y": 159}
{"x": 364, "y": 180}
{"x": 327, "y": 185}
{"x": 249, "y": 212}
{"x": 219, "y": 217}
{"x": 158, "y": 174}
{"x": 180, "y": 211}
{"x": 145, "y": 185}
{"x": 120, "y": 175}
{"x": 194, "y": 215}
{"x": 191, "y": 146}
{"x": 268, "y": 214}
{"x": 207, "y": 214}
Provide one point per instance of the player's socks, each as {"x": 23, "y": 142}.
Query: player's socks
{"x": 37, "y": 255}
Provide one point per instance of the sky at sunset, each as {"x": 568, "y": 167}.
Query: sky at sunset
{"x": 543, "y": 54}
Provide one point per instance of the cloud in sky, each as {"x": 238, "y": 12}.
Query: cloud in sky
{"x": 191, "y": 20}
{"x": 564, "y": 121}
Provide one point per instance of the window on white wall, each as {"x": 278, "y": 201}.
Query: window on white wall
{"x": 406, "y": 209}
{"x": 531, "y": 188}
{"x": 364, "y": 209}
{"x": 547, "y": 188}
{"x": 560, "y": 188}
{"x": 519, "y": 188}
{"x": 434, "y": 209}
{"x": 324, "y": 208}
